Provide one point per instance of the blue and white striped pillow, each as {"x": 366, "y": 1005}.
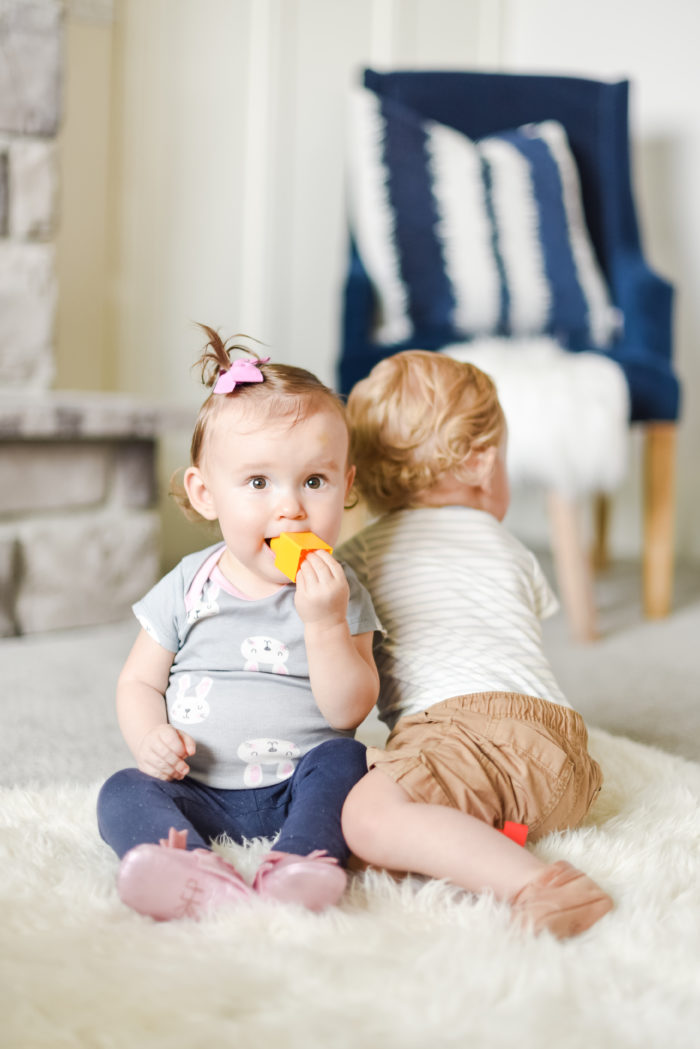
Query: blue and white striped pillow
{"x": 463, "y": 239}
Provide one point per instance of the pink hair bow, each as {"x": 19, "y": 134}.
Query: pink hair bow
{"x": 242, "y": 370}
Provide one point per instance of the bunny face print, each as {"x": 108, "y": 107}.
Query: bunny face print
{"x": 277, "y": 753}
{"x": 190, "y": 705}
{"x": 265, "y": 653}
{"x": 206, "y": 605}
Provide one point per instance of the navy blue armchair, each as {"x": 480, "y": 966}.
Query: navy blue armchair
{"x": 595, "y": 116}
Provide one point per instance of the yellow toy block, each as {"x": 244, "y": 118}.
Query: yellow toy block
{"x": 290, "y": 549}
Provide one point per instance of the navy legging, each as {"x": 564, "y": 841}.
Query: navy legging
{"x": 134, "y": 808}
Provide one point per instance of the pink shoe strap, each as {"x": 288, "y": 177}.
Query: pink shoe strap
{"x": 211, "y": 863}
{"x": 176, "y": 839}
{"x": 280, "y": 859}
{"x": 205, "y": 859}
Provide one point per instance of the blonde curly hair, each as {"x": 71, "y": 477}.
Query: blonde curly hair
{"x": 417, "y": 417}
{"x": 287, "y": 392}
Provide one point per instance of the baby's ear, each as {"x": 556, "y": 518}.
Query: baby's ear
{"x": 349, "y": 479}
{"x": 198, "y": 494}
{"x": 482, "y": 465}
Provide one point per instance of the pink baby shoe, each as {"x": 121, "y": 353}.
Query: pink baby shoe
{"x": 562, "y": 899}
{"x": 166, "y": 881}
{"x": 315, "y": 881}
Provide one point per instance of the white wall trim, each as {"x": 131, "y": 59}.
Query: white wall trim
{"x": 384, "y": 19}
{"x": 262, "y": 85}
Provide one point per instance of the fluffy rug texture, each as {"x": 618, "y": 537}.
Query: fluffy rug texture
{"x": 399, "y": 964}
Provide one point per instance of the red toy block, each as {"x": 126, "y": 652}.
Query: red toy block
{"x": 517, "y": 832}
{"x": 290, "y": 549}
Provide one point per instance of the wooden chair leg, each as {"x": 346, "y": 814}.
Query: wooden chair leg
{"x": 601, "y": 527}
{"x": 659, "y": 517}
{"x": 573, "y": 567}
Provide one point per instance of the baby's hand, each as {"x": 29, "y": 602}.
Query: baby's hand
{"x": 161, "y": 752}
{"x": 322, "y": 590}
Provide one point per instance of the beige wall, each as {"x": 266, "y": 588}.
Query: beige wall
{"x": 203, "y": 178}
{"x": 85, "y": 143}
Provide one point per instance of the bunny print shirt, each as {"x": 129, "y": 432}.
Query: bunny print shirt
{"x": 239, "y": 683}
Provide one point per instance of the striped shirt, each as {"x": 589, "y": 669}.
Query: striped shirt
{"x": 460, "y": 600}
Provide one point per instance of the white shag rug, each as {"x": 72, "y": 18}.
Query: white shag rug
{"x": 396, "y": 966}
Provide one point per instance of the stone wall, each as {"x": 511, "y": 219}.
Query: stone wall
{"x": 78, "y": 524}
{"x": 79, "y": 529}
{"x": 31, "y": 52}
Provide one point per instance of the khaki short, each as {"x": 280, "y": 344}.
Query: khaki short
{"x": 498, "y": 756}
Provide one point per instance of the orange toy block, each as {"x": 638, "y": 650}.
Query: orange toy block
{"x": 290, "y": 549}
{"x": 517, "y": 832}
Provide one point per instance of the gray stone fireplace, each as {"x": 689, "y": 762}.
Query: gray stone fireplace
{"x": 78, "y": 518}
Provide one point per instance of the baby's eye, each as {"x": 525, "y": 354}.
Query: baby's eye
{"x": 258, "y": 483}
{"x": 315, "y": 481}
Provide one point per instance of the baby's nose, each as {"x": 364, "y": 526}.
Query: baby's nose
{"x": 291, "y": 506}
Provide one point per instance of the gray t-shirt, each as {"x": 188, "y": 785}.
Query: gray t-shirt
{"x": 239, "y": 683}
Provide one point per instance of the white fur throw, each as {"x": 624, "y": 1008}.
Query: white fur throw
{"x": 567, "y": 412}
{"x": 410, "y": 965}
